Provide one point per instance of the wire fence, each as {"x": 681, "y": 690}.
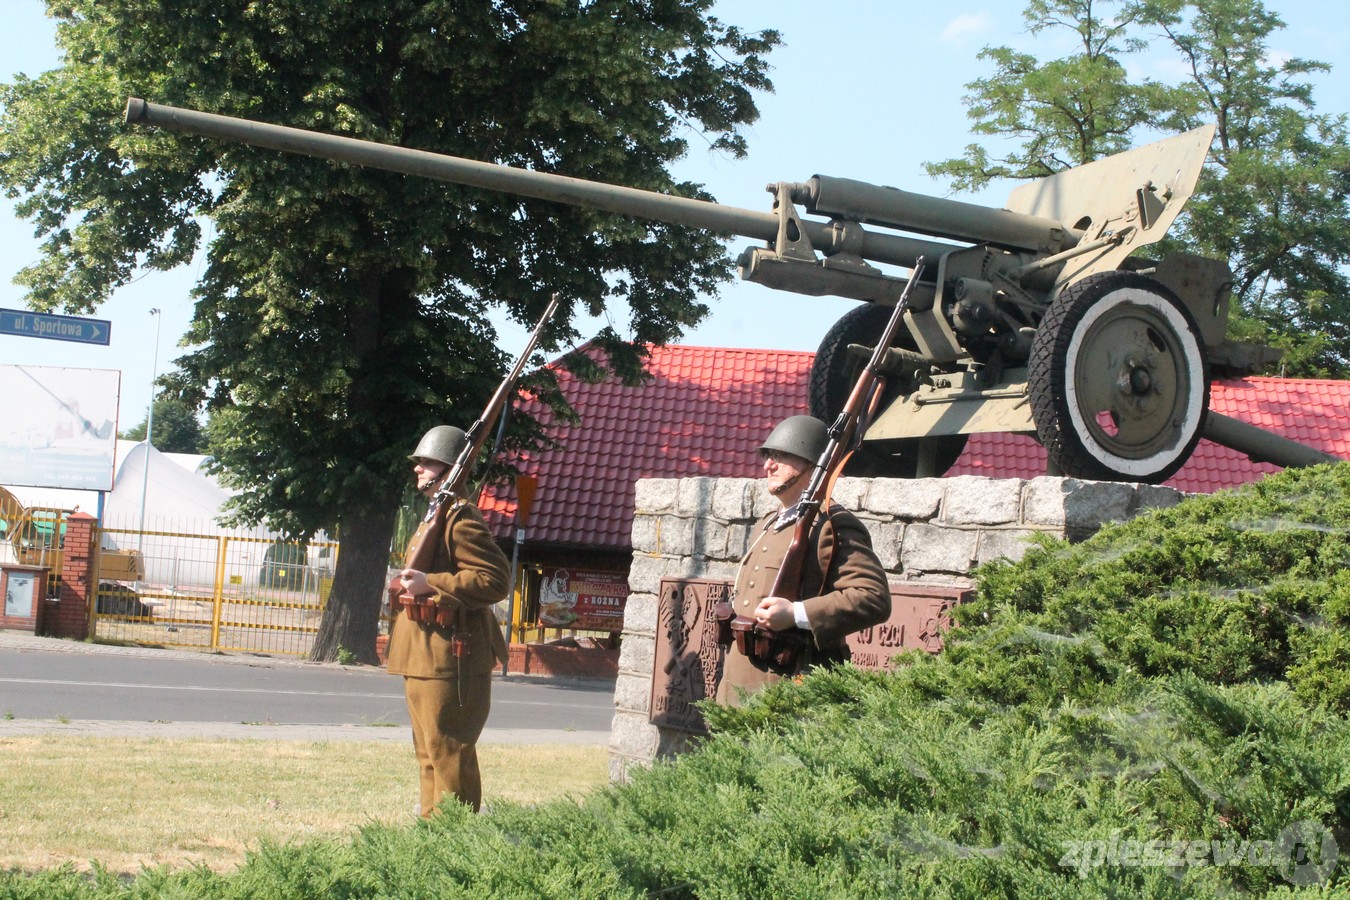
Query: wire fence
{"x": 196, "y": 585}
{"x": 211, "y": 589}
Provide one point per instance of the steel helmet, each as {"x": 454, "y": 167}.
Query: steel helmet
{"x": 443, "y": 443}
{"x": 804, "y": 436}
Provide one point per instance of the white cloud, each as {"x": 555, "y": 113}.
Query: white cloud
{"x": 967, "y": 24}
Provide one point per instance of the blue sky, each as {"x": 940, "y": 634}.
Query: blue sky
{"x": 867, "y": 89}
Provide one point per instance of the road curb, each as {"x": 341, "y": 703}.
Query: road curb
{"x": 266, "y": 731}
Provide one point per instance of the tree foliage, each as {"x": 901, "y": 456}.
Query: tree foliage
{"x": 1274, "y": 199}
{"x": 1062, "y": 112}
{"x": 341, "y": 312}
{"x": 177, "y": 428}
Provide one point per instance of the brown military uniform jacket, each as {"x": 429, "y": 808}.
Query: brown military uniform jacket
{"x": 469, "y": 573}
{"x": 843, "y": 590}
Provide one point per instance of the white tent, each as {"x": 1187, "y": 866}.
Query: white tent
{"x": 155, "y": 502}
{"x": 171, "y": 498}
{"x": 167, "y": 494}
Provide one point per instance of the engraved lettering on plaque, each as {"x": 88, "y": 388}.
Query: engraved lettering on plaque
{"x": 920, "y": 615}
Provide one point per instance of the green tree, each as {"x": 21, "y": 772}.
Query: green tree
{"x": 1064, "y": 112}
{"x": 1272, "y": 200}
{"x": 1275, "y": 198}
{"x": 341, "y": 312}
{"x": 177, "y": 428}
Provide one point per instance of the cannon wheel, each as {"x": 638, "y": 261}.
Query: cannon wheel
{"x": 833, "y": 375}
{"x": 1117, "y": 379}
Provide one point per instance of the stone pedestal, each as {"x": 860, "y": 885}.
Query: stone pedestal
{"x": 929, "y": 534}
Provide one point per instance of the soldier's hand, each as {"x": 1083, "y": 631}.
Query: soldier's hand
{"x": 414, "y": 582}
{"x": 775, "y": 613}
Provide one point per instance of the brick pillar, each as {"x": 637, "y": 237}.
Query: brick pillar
{"x": 71, "y": 616}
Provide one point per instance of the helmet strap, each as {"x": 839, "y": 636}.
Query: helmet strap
{"x": 787, "y": 484}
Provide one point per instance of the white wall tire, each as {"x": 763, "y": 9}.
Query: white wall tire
{"x": 1117, "y": 378}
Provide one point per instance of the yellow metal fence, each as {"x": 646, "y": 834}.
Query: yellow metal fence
{"x": 201, "y": 587}
{"x": 215, "y": 591}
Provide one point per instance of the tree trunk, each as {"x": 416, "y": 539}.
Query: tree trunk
{"x": 351, "y": 619}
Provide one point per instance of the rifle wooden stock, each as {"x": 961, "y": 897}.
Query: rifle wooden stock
{"x": 422, "y": 549}
{"x": 780, "y": 651}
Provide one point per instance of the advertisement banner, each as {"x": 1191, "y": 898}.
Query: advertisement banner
{"x": 58, "y": 427}
{"x": 583, "y": 599}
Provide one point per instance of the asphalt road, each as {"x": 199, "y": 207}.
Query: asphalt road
{"x": 65, "y": 687}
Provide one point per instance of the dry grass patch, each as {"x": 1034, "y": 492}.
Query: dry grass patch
{"x": 130, "y": 803}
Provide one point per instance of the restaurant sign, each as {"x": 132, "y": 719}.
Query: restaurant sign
{"x": 583, "y": 599}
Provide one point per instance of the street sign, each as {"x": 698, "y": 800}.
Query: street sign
{"x": 53, "y": 327}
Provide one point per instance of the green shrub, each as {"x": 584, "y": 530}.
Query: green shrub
{"x": 1244, "y": 585}
{"x": 1155, "y": 712}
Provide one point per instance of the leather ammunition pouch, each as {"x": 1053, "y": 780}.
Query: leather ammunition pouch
{"x": 780, "y": 652}
{"x": 723, "y": 612}
{"x": 418, "y": 608}
{"x": 423, "y": 609}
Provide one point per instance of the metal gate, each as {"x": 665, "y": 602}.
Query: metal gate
{"x": 212, "y": 591}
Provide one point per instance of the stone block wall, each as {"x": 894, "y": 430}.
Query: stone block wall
{"x": 932, "y": 530}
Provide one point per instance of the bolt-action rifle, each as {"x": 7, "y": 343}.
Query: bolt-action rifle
{"x": 453, "y": 491}
{"x": 781, "y": 651}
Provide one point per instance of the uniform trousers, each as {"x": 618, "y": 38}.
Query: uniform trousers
{"x": 445, "y": 735}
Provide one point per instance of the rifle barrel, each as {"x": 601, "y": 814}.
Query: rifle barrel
{"x": 460, "y": 471}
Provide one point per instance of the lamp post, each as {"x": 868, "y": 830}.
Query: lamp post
{"x": 149, "y": 430}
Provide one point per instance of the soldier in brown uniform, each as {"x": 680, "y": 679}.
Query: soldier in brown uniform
{"x": 843, "y": 586}
{"x": 448, "y": 694}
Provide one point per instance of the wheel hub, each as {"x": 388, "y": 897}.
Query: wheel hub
{"x": 1141, "y": 382}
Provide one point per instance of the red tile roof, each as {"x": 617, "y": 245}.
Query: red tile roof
{"x": 704, "y": 412}
{"x": 1310, "y": 411}
{"x": 706, "y": 409}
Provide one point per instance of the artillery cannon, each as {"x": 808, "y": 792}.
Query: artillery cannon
{"x": 1038, "y": 318}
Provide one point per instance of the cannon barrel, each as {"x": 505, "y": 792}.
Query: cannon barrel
{"x": 825, "y": 237}
{"x": 859, "y": 201}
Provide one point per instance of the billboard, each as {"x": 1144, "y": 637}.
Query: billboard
{"x": 58, "y": 426}
{"x": 583, "y": 599}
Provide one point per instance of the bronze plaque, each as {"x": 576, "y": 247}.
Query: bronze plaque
{"x": 920, "y": 614}
{"x": 688, "y": 660}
